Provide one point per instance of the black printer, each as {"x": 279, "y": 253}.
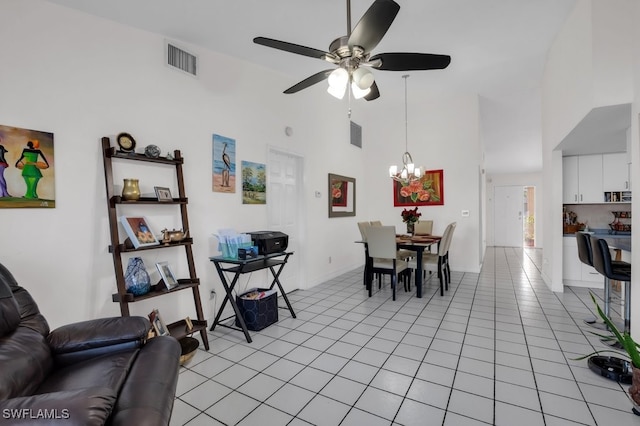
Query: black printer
{"x": 269, "y": 241}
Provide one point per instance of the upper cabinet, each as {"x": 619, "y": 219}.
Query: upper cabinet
{"x": 582, "y": 179}
{"x": 593, "y": 179}
{"x": 615, "y": 172}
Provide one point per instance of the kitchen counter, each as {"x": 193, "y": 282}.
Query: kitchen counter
{"x": 615, "y": 241}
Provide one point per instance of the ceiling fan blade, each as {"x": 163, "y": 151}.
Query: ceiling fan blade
{"x": 293, "y": 48}
{"x": 374, "y": 93}
{"x": 374, "y": 24}
{"x": 309, "y": 81}
{"x": 410, "y": 61}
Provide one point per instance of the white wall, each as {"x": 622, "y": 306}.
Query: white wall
{"x": 592, "y": 63}
{"x": 588, "y": 66}
{"x": 524, "y": 179}
{"x": 444, "y": 134}
{"x": 82, "y": 78}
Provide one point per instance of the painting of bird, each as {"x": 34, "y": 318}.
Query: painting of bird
{"x": 227, "y": 165}
{"x": 224, "y": 164}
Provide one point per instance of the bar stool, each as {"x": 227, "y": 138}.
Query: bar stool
{"x": 585, "y": 254}
{"x": 619, "y": 271}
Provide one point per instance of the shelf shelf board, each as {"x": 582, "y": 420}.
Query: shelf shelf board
{"x": 125, "y": 248}
{"x": 156, "y": 290}
{"x": 113, "y": 153}
{"x": 179, "y": 330}
{"x": 117, "y": 199}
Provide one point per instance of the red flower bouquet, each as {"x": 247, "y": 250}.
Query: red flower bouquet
{"x": 410, "y": 215}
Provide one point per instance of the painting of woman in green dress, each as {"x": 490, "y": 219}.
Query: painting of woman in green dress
{"x": 28, "y": 168}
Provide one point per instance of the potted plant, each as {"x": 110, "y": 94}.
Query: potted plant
{"x": 630, "y": 348}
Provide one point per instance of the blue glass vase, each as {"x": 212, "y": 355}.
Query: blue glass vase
{"x": 136, "y": 278}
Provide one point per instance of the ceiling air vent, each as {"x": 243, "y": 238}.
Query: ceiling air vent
{"x": 356, "y": 135}
{"x": 181, "y": 59}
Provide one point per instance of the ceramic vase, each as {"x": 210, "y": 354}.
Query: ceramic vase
{"x": 131, "y": 190}
{"x": 136, "y": 278}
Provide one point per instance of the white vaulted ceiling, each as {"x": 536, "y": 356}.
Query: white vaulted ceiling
{"x": 498, "y": 50}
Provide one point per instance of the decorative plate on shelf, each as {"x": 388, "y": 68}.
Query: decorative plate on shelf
{"x": 126, "y": 142}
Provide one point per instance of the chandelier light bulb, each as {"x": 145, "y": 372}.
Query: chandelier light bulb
{"x": 417, "y": 172}
{"x": 393, "y": 171}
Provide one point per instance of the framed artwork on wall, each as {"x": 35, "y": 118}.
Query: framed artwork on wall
{"x": 224, "y": 164}
{"x": 27, "y": 177}
{"x": 342, "y": 196}
{"x": 254, "y": 183}
{"x": 428, "y": 191}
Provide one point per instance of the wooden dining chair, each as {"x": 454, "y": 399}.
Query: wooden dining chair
{"x": 382, "y": 249}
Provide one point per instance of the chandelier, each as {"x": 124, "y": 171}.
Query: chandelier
{"x": 409, "y": 172}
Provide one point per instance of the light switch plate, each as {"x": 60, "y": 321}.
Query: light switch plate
{"x": 465, "y": 213}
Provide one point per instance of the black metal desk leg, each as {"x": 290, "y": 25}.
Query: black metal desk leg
{"x": 276, "y": 280}
{"x": 229, "y": 297}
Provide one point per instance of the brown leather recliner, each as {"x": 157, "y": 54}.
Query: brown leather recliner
{"x": 96, "y": 372}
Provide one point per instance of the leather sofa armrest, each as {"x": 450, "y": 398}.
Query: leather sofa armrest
{"x": 82, "y": 340}
{"x": 81, "y": 407}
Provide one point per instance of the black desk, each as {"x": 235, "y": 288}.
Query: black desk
{"x": 245, "y": 266}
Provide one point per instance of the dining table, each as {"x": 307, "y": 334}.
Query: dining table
{"x": 414, "y": 243}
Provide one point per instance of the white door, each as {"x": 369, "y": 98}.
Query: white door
{"x": 284, "y": 202}
{"x": 508, "y": 208}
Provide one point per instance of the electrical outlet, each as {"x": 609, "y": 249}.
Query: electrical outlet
{"x": 329, "y": 259}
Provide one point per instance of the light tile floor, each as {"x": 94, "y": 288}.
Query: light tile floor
{"x": 498, "y": 348}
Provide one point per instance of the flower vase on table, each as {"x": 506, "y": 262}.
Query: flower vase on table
{"x": 410, "y": 227}
{"x": 410, "y": 217}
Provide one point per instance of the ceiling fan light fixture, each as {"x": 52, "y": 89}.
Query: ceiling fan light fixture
{"x": 338, "y": 78}
{"x": 358, "y": 92}
{"x": 363, "y": 78}
{"x": 337, "y": 92}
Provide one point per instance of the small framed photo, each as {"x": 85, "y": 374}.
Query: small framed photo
{"x": 167, "y": 275}
{"x": 163, "y": 194}
{"x": 139, "y": 231}
{"x": 189, "y": 324}
{"x": 159, "y": 326}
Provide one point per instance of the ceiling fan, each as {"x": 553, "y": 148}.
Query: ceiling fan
{"x": 352, "y": 54}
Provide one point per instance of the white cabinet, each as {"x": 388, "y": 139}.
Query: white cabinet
{"x": 582, "y": 179}
{"x": 574, "y": 272}
{"x": 615, "y": 172}
{"x": 570, "y": 180}
{"x": 590, "y": 179}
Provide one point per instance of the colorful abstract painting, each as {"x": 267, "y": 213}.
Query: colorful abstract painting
{"x": 27, "y": 178}
{"x": 254, "y": 183}
{"x": 224, "y": 164}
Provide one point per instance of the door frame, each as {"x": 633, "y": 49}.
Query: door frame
{"x": 301, "y": 219}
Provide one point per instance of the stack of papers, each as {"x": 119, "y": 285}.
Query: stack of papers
{"x": 255, "y": 294}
